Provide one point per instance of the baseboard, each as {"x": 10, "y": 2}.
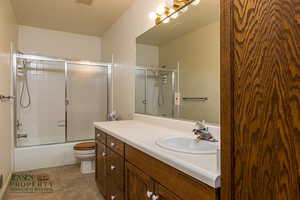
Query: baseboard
{"x": 5, "y": 185}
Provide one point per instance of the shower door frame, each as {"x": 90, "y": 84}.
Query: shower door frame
{"x": 66, "y": 62}
{"x": 146, "y": 69}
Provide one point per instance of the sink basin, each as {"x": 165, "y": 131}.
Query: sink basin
{"x": 185, "y": 144}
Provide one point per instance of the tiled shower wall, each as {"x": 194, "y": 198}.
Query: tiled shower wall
{"x": 40, "y": 121}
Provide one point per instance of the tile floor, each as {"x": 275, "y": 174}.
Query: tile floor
{"x": 69, "y": 184}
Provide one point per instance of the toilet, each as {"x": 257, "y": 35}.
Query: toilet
{"x": 85, "y": 152}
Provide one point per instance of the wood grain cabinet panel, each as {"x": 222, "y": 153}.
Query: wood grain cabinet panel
{"x": 261, "y": 104}
{"x": 101, "y": 167}
{"x": 138, "y": 184}
{"x": 100, "y": 136}
{"x": 113, "y": 193}
{"x": 115, "y": 170}
{"x": 163, "y": 193}
{"x": 184, "y": 186}
{"x": 115, "y": 144}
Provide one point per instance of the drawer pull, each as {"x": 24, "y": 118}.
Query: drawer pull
{"x": 112, "y": 144}
{"x": 112, "y": 167}
{"x": 155, "y": 197}
{"x": 113, "y": 197}
{"x": 103, "y": 154}
{"x": 149, "y": 194}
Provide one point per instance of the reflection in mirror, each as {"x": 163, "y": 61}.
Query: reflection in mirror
{"x": 179, "y": 66}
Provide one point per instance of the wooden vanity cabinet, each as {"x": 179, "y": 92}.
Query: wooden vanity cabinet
{"x": 101, "y": 167}
{"x": 138, "y": 186}
{"x": 164, "y": 194}
{"x": 115, "y": 175}
{"x": 109, "y": 166}
{"x": 125, "y": 173}
{"x": 169, "y": 182}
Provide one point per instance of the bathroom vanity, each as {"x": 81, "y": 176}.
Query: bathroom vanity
{"x": 129, "y": 165}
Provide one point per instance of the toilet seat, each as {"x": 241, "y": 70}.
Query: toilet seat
{"x": 85, "y": 152}
{"x": 85, "y": 146}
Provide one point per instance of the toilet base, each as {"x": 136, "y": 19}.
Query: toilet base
{"x": 87, "y": 166}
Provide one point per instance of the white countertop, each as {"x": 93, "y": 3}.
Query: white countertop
{"x": 143, "y": 135}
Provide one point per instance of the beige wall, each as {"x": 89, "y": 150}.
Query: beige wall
{"x": 8, "y": 32}
{"x": 120, "y": 40}
{"x": 198, "y": 53}
{"x": 59, "y": 44}
{"x": 147, "y": 55}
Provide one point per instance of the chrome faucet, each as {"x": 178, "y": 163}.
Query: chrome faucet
{"x": 202, "y": 133}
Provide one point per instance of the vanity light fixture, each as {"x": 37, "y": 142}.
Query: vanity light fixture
{"x": 171, "y": 10}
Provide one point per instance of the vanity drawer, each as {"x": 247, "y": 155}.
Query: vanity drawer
{"x": 100, "y": 136}
{"x": 100, "y": 174}
{"x": 116, "y": 145}
{"x": 115, "y": 170}
{"x": 114, "y": 194}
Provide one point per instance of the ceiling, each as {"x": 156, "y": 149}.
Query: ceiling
{"x": 88, "y": 17}
{"x": 208, "y": 11}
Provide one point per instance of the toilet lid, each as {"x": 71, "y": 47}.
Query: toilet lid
{"x": 85, "y": 146}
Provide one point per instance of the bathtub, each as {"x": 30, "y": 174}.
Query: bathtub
{"x": 44, "y": 156}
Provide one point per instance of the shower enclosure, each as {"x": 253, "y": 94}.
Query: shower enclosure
{"x": 57, "y": 100}
{"x": 154, "y": 91}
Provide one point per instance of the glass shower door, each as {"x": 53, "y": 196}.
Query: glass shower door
{"x": 140, "y": 91}
{"x": 160, "y": 93}
{"x": 40, "y": 107}
{"x": 86, "y": 100}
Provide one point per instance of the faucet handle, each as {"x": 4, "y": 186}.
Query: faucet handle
{"x": 200, "y": 125}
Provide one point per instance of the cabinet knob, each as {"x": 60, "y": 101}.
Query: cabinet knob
{"x": 98, "y": 135}
{"x": 149, "y": 194}
{"x": 113, "y": 197}
{"x": 112, "y": 144}
{"x": 155, "y": 197}
{"x": 103, "y": 154}
{"x": 112, "y": 167}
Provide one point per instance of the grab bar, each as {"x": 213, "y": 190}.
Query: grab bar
{"x": 195, "y": 98}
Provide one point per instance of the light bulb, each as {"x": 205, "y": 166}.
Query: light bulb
{"x": 184, "y": 9}
{"x": 160, "y": 10}
{"x": 163, "y": 16}
{"x": 152, "y": 15}
{"x": 195, "y": 2}
{"x": 166, "y": 20}
{"x": 169, "y": 3}
{"x": 174, "y": 16}
{"x": 171, "y": 10}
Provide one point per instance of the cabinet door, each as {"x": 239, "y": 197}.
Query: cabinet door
{"x": 162, "y": 193}
{"x": 138, "y": 186}
{"x": 101, "y": 167}
{"x": 114, "y": 175}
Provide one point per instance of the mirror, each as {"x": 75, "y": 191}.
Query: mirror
{"x": 179, "y": 66}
